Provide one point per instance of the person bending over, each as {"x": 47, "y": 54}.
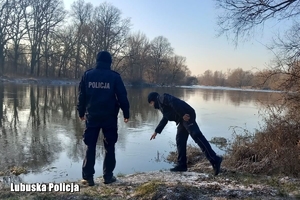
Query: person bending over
{"x": 175, "y": 109}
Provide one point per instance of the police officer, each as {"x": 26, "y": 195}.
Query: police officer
{"x": 101, "y": 94}
{"x": 174, "y": 109}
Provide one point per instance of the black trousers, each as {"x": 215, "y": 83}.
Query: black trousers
{"x": 110, "y": 131}
{"x": 184, "y": 129}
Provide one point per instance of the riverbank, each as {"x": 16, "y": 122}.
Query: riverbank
{"x": 40, "y": 81}
{"x": 196, "y": 183}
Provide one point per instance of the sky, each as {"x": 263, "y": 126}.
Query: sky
{"x": 191, "y": 28}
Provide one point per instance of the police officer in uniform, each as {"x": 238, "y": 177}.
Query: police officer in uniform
{"x": 101, "y": 94}
{"x": 174, "y": 109}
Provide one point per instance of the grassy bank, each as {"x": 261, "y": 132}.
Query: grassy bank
{"x": 197, "y": 183}
{"x": 230, "y": 185}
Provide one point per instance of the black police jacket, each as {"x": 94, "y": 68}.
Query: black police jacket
{"x": 173, "y": 109}
{"x": 102, "y": 93}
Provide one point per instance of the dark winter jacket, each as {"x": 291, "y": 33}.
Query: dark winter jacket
{"x": 102, "y": 93}
{"x": 173, "y": 109}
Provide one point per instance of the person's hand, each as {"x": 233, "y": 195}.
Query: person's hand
{"x": 186, "y": 117}
{"x": 82, "y": 118}
{"x": 153, "y": 136}
{"x": 125, "y": 120}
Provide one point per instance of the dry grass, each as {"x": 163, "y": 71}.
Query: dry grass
{"x": 273, "y": 150}
{"x": 148, "y": 189}
{"x": 15, "y": 170}
{"x": 193, "y": 154}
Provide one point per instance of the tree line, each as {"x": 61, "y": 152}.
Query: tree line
{"x": 240, "y": 19}
{"x": 43, "y": 39}
{"x": 267, "y": 79}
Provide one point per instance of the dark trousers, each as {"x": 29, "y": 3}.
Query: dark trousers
{"x": 185, "y": 129}
{"x": 110, "y": 131}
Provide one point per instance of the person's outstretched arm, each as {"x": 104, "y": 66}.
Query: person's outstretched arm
{"x": 159, "y": 127}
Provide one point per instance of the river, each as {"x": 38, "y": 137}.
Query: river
{"x": 40, "y": 128}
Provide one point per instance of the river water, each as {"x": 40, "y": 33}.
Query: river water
{"x": 40, "y": 129}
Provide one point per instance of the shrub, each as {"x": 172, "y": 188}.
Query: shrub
{"x": 275, "y": 149}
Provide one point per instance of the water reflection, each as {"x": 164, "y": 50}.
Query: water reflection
{"x": 40, "y": 127}
{"x": 27, "y": 121}
{"x": 238, "y": 97}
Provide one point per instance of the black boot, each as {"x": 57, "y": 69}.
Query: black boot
{"x": 217, "y": 166}
{"x": 111, "y": 180}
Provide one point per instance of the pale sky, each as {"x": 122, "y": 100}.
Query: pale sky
{"x": 191, "y": 28}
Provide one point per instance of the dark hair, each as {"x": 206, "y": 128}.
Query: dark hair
{"x": 152, "y": 96}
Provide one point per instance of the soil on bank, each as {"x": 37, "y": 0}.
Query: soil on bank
{"x": 197, "y": 183}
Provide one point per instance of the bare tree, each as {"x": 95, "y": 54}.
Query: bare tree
{"x": 206, "y": 78}
{"x": 6, "y": 22}
{"x": 65, "y": 48}
{"x": 110, "y": 32}
{"x": 18, "y": 31}
{"x": 176, "y": 65}
{"x": 54, "y": 14}
{"x": 239, "y": 78}
{"x": 40, "y": 21}
{"x": 287, "y": 63}
{"x": 160, "y": 51}
{"x": 138, "y": 47}
{"x": 219, "y": 78}
{"x": 241, "y": 17}
{"x": 81, "y": 14}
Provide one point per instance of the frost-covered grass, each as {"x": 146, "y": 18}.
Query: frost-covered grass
{"x": 181, "y": 185}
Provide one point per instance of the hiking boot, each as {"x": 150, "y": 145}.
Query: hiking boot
{"x": 111, "y": 180}
{"x": 179, "y": 168}
{"x": 217, "y": 166}
{"x": 89, "y": 182}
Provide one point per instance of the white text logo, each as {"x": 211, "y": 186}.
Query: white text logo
{"x": 43, "y": 187}
{"x": 100, "y": 85}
